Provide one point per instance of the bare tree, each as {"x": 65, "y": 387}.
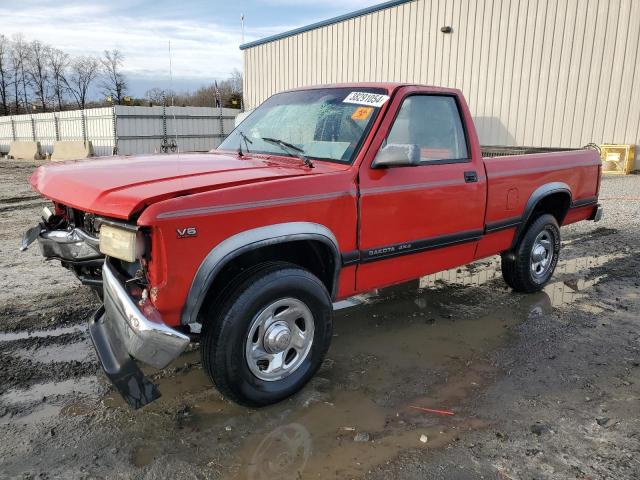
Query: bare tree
{"x": 229, "y": 92}
{"x": 58, "y": 63}
{"x": 5, "y": 73}
{"x": 82, "y": 73}
{"x": 19, "y": 61}
{"x": 114, "y": 84}
{"x": 15, "y": 72}
{"x": 156, "y": 96}
{"x": 38, "y": 71}
{"x": 235, "y": 81}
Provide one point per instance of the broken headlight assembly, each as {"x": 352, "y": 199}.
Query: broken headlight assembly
{"x": 122, "y": 243}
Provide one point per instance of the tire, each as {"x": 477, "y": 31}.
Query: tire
{"x": 247, "y": 331}
{"x": 524, "y": 268}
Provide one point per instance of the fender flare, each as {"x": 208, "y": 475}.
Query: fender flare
{"x": 535, "y": 198}
{"x": 246, "y": 241}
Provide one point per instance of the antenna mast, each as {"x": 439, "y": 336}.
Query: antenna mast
{"x": 173, "y": 110}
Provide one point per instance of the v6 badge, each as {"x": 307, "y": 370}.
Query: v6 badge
{"x": 187, "y": 232}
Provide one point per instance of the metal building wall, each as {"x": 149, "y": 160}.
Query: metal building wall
{"x": 556, "y": 73}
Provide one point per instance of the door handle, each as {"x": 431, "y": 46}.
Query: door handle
{"x": 470, "y": 177}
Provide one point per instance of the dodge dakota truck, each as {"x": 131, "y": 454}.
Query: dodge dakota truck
{"x": 321, "y": 193}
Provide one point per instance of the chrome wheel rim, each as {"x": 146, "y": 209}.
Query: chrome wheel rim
{"x": 542, "y": 254}
{"x": 279, "y": 339}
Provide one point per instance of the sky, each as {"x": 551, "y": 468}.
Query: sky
{"x": 204, "y": 35}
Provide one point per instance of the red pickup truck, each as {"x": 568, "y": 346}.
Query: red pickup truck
{"x": 319, "y": 194}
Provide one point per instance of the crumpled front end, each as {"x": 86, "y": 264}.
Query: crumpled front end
{"x": 71, "y": 245}
{"x": 128, "y": 327}
{"x": 71, "y": 237}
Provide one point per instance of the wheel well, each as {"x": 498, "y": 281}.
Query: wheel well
{"x": 557, "y": 204}
{"x": 312, "y": 255}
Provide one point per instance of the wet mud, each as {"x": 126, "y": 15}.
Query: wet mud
{"x": 452, "y": 376}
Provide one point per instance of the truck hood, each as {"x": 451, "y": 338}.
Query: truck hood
{"x": 121, "y": 186}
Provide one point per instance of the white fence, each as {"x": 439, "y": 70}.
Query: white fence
{"x": 123, "y": 129}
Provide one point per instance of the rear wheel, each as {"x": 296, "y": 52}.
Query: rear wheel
{"x": 269, "y": 335}
{"x": 530, "y": 265}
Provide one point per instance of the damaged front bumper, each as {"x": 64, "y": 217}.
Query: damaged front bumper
{"x": 77, "y": 250}
{"x": 73, "y": 245}
{"x": 126, "y": 328}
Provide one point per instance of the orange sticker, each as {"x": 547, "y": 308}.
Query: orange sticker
{"x": 362, "y": 113}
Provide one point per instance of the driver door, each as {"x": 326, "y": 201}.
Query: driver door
{"x": 417, "y": 220}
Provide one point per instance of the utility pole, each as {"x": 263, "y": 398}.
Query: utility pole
{"x": 242, "y": 30}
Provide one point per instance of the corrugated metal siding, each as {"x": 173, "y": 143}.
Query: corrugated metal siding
{"x": 139, "y": 129}
{"x": 195, "y": 129}
{"x": 6, "y": 133}
{"x": 535, "y": 72}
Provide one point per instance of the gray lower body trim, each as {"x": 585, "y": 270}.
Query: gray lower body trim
{"x": 243, "y": 242}
{"x": 537, "y": 195}
{"x": 406, "y": 248}
{"x": 585, "y": 202}
{"x": 512, "y": 222}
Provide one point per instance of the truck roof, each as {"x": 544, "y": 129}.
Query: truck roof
{"x": 389, "y": 86}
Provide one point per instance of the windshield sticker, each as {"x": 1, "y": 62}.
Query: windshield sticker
{"x": 361, "y": 113}
{"x": 364, "y": 98}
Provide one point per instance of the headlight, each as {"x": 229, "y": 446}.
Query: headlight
{"x": 118, "y": 243}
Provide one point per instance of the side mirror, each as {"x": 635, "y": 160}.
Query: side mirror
{"x": 397, "y": 155}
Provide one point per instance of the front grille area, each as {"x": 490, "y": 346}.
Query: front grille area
{"x": 88, "y": 224}
{"x": 83, "y": 220}
{"x": 90, "y": 272}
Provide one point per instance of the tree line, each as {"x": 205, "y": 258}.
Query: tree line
{"x": 226, "y": 93}
{"x": 37, "y": 77}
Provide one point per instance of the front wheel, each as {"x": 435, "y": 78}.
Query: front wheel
{"x": 269, "y": 336}
{"x": 531, "y": 264}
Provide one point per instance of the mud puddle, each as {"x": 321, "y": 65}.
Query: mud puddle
{"x": 73, "y": 352}
{"x": 484, "y": 271}
{"x": 44, "y": 400}
{"x": 339, "y": 439}
{"x": 54, "y": 332}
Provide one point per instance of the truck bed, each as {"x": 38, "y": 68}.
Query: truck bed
{"x": 512, "y": 182}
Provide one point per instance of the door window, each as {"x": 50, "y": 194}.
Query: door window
{"x": 433, "y": 124}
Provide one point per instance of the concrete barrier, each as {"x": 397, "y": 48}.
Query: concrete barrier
{"x": 71, "y": 150}
{"x": 20, "y": 150}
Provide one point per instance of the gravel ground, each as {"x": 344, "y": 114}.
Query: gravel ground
{"x": 543, "y": 386}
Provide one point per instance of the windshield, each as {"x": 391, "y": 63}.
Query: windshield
{"x": 324, "y": 124}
